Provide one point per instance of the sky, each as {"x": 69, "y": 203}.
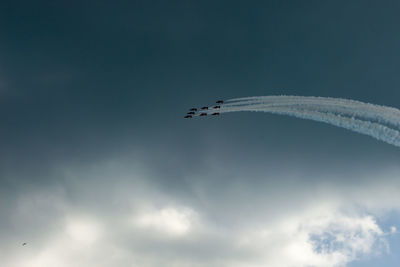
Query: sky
{"x": 98, "y": 167}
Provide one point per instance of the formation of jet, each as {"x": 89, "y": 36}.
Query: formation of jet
{"x": 192, "y": 112}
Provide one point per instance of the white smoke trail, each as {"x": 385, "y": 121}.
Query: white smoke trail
{"x": 350, "y": 108}
{"x": 380, "y": 122}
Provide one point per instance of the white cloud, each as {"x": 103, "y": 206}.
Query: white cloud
{"x": 83, "y": 231}
{"x": 171, "y": 221}
{"x": 314, "y": 237}
{"x": 153, "y": 227}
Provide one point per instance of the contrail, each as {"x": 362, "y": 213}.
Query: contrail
{"x": 380, "y": 122}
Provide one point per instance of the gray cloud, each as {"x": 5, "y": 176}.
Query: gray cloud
{"x": 120, "y": 214}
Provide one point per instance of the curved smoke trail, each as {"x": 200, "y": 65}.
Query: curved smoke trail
{"x": 380, "y": 122}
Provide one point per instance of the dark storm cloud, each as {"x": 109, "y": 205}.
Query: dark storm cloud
{"x": 92, "y": 98}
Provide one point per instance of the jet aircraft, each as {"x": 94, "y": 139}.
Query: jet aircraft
{"x": 193, "y": 109}
{"x": 217, "y": 107}
{"x": 203, "y": 114}
{"x": 204, "y": 108}
{"x": 188, "y": 117}
{"x": 220, "y": 102}
{"x": 215, "y": 113}
{"x": 190, "y": 113}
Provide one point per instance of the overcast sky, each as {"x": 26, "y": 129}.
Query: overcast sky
{"x": 98, "y": 168}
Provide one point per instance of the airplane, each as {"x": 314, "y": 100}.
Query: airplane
{"x": 204, "y": 108}
{"x": 220, "y": 102}
{"x": 24, "y": 244}
{"x": 215, "y": 113}
{"x": 190, "y": 113}
{"x": 203, "y": 114}
{"x": 188, "y": 117}
{"x": 217, "y": 106}
{"x": 193, "y": 109}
